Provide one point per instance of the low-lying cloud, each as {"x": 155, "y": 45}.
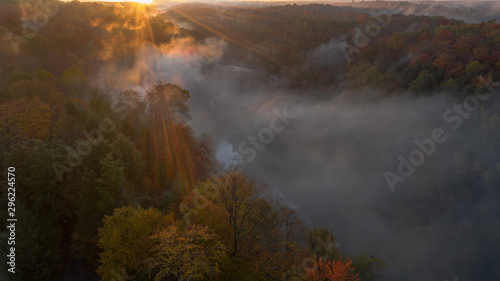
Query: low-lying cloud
{"x": 329, "y": 161}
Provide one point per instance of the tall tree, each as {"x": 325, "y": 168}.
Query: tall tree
{"x": 110, "y": 184}
{"x": 322, "y": 242}
{"x": 125, "y": 241}
{"x": 185, "y": 254}
{"x": 243, "y": 201}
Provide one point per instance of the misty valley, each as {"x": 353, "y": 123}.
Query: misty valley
{"x": 248, "y": 140}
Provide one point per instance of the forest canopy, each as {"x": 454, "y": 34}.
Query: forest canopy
{"x": 114, "y": 182}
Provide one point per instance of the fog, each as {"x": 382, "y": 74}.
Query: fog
{"x": 329, "y": 158}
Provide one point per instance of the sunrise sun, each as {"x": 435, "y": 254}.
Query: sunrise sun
{"x": 146, "y": 2}
{"x": 143, "y": 1}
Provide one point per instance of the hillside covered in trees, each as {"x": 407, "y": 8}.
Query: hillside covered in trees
{"x": 115, "y": 183}
{"x": 443, "y": 54}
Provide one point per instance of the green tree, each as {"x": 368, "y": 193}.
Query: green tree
{"x": 110, "y": 183}
{"x": 368, "y": 268}
{"x": 19, "y": 76}
{"x": 132, "y": 161}
{"x": 41, "y": 206}
{"x": 474, "y": 68}
{"x": 322, "y": 242}
{"x": 425, "y": 82}
{"x": 38, "y": 245}
{"x": 74, "y": 78}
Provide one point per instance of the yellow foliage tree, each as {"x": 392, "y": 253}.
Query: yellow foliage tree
{"x": 190, "y": 254}
{"x": 237, "y": 200}
{"x": 25, "y": 119}
{"x": 125, "y": 241}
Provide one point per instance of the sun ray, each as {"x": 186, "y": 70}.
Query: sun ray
{"x": 147, "y": 2}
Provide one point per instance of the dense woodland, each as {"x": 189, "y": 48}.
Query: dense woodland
{"x": 116, "y": 185}
{"x": 419, "y": 53}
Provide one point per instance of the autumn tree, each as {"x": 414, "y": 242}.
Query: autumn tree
{"x": 322, "y": 242}
{"x": 198, "y": 207}
{"x": 185, "y": 254}
{"x": 282, "y": 245}
{"x": 397, "y": 42}
{"x": 125, "y": 241}
{"x": 45, "y": 90}
{"x": 171, "y": 147}
{"x": 336, "y": 270}
{"x": 262, "y": 236}
{"x": 25, "y": 119}
{"x": 169, "y": 101}
{"x": 242, "y": 200}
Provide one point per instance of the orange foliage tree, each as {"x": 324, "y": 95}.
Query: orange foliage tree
{"x": 336, "y": 270}
{"x": 25, "y": 119}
